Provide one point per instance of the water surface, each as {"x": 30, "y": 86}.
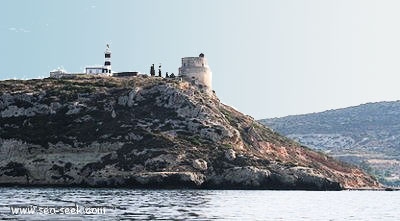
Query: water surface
{"x": 127, "y": 204}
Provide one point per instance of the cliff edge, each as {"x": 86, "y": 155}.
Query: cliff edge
{"x": 149, "y": 132}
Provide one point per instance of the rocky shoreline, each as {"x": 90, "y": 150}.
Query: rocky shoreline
{"x": 189, "y": 180}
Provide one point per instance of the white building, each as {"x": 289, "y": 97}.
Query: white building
{"x": 102, "y": 70}
{"x": 58, "y": 73}
{"x": 94, "y": 70}
{"x": 196, "y": 70}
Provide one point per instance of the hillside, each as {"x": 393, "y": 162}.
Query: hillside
{"x": 149, "y": 132}
{"x": 367, "y": 135}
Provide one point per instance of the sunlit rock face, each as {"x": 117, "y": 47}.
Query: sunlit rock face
{"x": 149, "y": 132}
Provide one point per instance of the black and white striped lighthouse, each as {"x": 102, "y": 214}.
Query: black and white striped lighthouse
{"x": 107, "y": 60}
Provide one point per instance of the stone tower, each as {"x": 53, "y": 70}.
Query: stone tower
{"x": 196, "y": 70}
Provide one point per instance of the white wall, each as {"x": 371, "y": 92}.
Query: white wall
{"x": 95, "y": 70}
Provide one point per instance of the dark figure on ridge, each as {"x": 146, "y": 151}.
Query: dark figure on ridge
{"x": 152, "y": 70}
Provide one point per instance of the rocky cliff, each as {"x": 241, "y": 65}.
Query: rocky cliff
{"x": 152, "y": 133}
{"x": 367, "y": 135}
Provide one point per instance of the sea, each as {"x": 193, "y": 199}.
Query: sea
{"x": 139, "y": 204}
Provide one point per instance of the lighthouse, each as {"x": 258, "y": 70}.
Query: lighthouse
{"x": 107, "y": 60}
{"x": 102, "y": 70}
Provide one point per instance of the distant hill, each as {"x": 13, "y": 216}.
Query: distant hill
{"x": 367, "y": 135}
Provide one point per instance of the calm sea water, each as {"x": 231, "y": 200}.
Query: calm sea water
{"x": 126, "y": 204}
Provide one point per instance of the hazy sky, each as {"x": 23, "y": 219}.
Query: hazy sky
{"x": 269, "y": 58}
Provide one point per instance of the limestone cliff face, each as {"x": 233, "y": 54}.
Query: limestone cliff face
{"x": 149, "y": 132}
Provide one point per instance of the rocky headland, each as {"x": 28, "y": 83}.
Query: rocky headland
{"x": 149, "y": 132}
